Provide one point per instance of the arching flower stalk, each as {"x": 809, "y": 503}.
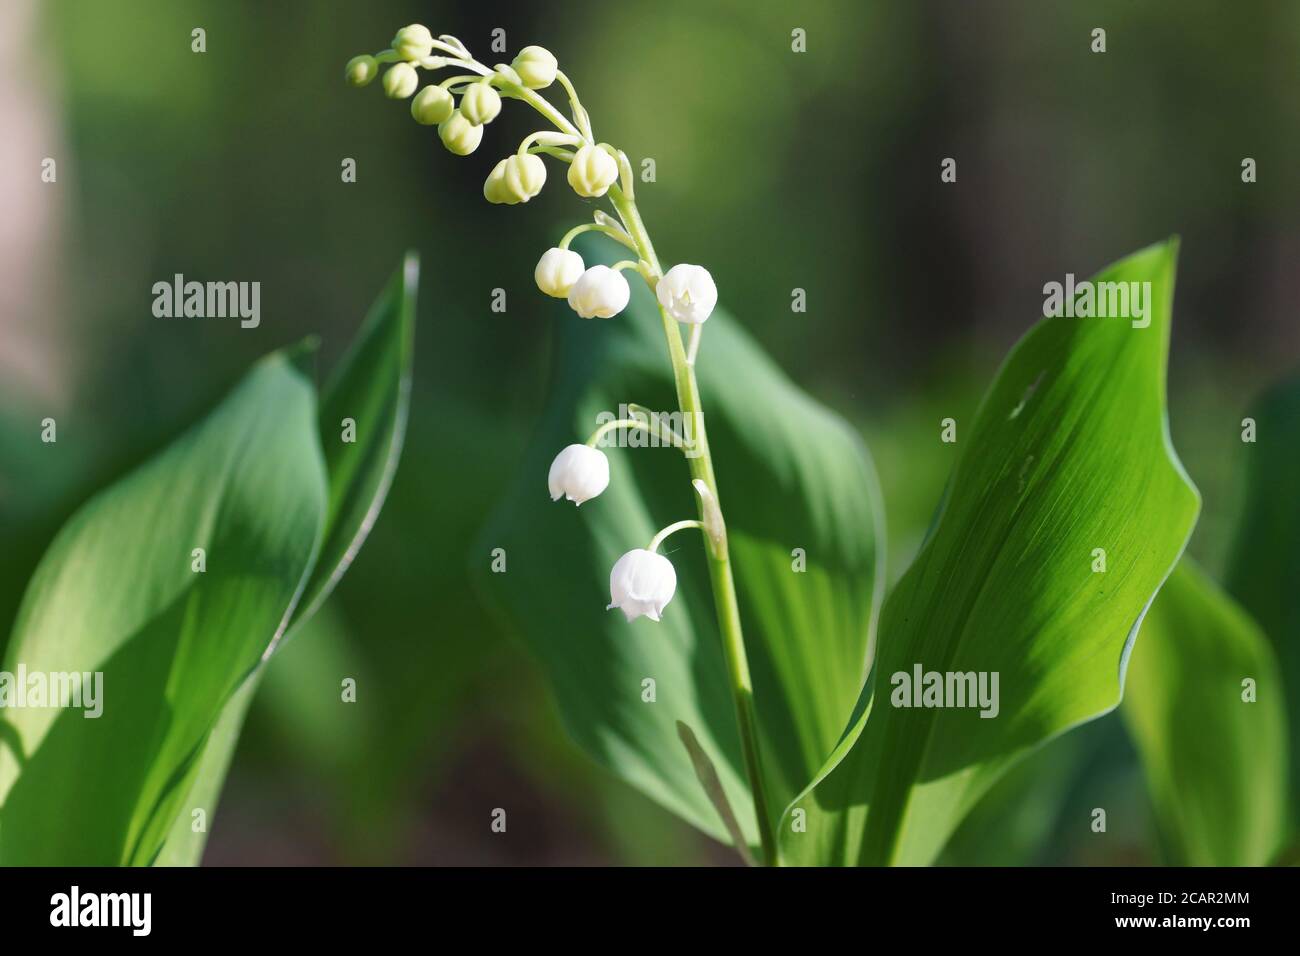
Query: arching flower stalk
{"x": 643, "y": 581}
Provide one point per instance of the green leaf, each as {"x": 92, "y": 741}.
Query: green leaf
{"x": 1068, "y": 453}
{"x": 1014, "y": 822}
{"x": 181, "y": 651}
{"x": 1264, "y": 570}
{"x": 115, "y": 593}
{"x": 1215, "y": 763}
{"x": 184, "y": 843}
{"x": 372, "y": 386}
{"x": 707, "y": 774}
{"x": 791, "y": 476}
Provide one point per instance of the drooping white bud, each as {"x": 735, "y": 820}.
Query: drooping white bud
{"x": 494, "y": 190}
{"x": 599, "y": 293}
{"x": 400, "y": 81}
{"x": 413, "y": 42}
{"x": 687, "y": 293}
{"x": 536, "y": 66}
{"x": 592, "y": 172}
{"x": 641, "y": 582}
{"x": 459, "y": 135}
{"x": 432, "y": 105}
{"x": 579, "y": 473}
{"x": 480, "y": 103}
{"x": 523, "y": 177}
{"x": 515, "y": 179}
{"x": 557, "y": 270}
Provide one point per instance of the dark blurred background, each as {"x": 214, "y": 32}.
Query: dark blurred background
{"x": 778, "y": 170}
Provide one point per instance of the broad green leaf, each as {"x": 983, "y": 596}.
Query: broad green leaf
{"x": 1264, "y": 571}
{"x": 1068, "y": 453}
{"x": 794, "y": 481}
{"x": 1013, "y": 823}
{"x": 1214, "y": 753}
{"x": 184, "y": 843}
{"x": 116, "y": 594}
{"x": 372, "y": 387}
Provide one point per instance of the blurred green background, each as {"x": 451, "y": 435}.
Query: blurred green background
{"x": 779, "y": 170}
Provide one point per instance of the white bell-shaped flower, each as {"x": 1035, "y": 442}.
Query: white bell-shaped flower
{"x": 642, "y": 582}
{"x": 557, "y": 270}
{"x": 599, "y": 293}
{"x": 687, "y": 293}
{"x": 579, "y": 473}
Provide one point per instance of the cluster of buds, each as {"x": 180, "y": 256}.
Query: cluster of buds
{"x": 460, "y": 126}
{"x": 642, "y": 581}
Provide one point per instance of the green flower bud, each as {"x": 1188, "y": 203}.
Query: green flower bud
{"x": 361, "y": 70}
{"x": 459, "y": 135}
{"x": 592, "y": 172}
{"x": 536, "y": 67}
{"x": 515, "y": 179}
{"x": 413, "y": 42}
{"x": 432, "y": 105}
{"x": 523, "y": 177}
{"x": 480, "y": 104}
{"x": 400, "y": 81}
{"x": 494, "y": 188}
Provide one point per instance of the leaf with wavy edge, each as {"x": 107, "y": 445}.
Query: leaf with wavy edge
{"x": 1069, "y": 452}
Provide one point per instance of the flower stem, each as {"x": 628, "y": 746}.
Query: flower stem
{"x": 720, "y": 572}
{"x": 673, "y": 529}
{"x": 701, "y": 464}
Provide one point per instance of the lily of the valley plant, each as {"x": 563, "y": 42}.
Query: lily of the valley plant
{"x": 642, "y": 581}
{"x": 1052, "y": 470}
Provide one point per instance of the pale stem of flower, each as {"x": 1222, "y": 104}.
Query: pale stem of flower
{"x": 558, "y": 119}
{"x": 672, "y": 529}
{"x": 616, "y": 234}
{"x": 694, "y": 347}
{"x": 608, "y": 427}
{"x": 648, "y": 426}
{"x": 721, "y": 575}
{"x": 559, "y": 152}
{"x": 580, "y": 115}
{"x": 453, "y": 50}
{"x": 642, "y": 269}
{"x": 657, "y": 421}
{"x": 547, "y": 138}
{"x": 451, "y": 81}
{"x": 442, "y": 62}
